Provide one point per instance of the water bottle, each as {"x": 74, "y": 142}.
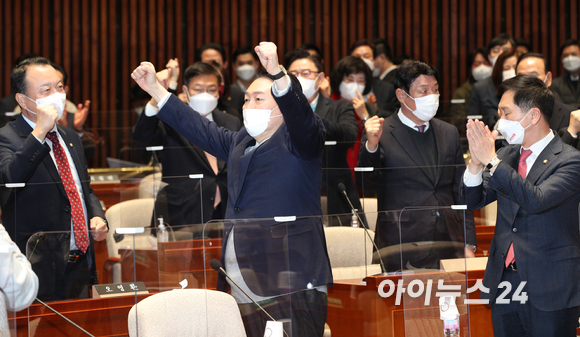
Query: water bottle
{"x": 162, "y": 234}
{"x": 354, "y": 219}
{"x": 451, "y": 327}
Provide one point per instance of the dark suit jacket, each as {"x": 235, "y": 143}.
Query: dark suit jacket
{"x": 386, "y": 98}
{"x": 482, "y": 92}
{"x": 234, "y": 102}
{"x": 279, "y": 178}
{"x": 568, "y": 139}
{"x": 402, "y": 179}
{"x": 390, "y": 76}
{"x": 340, "y": 124}
{"x": 566, "y": 91}
{"x": 180, "y": 202}
{"x": 42, "y": 204}
{"x": 560, "y": 116}
{"x": 539, "y": 214}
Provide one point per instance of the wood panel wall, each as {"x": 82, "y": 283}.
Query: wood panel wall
{"x": 99, "y": 42}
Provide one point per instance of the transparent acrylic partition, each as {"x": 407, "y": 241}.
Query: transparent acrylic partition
{"x": 9, "y": 288}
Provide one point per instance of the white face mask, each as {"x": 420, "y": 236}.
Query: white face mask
{"x": 369, "y": 63}
{"x": 203, "y": 103}
{"x": 376, "y": 72}
{"x": 57, "y": 99}
{"x": 246, "y": 72}
{"x": 425, "y": 107}
{"x": 256, "y": 120}
{"x": 571, "y": 63}
{"x": 512, "y": 131}
{"x": 506, "y": 75}
{"x": 348, "y": 90}
{"x": 481, "y": 72}
{"x": 493, "y": 60}
{"x": 308, "y": 86}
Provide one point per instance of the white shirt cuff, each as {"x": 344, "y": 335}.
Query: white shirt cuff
{"x": 151, "y": 111}
{"x": 472, "y": 180}
{"x": 277, "y": 92}
{"x": 574, "y": 136}
{"x": 367, "y": 147}
{"x": 173, "y": 85}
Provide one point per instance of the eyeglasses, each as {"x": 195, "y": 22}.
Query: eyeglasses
{"x": 303, "y": 73}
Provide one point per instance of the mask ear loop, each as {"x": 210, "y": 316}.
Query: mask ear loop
{"x": 525, "y": 118}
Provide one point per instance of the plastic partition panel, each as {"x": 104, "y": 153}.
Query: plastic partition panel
{"x": 8, "y": 324}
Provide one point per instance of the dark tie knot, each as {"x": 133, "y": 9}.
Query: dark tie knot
{"x": 421, "y": 128}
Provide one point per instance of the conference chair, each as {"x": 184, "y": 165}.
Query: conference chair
{"x": 186, "y": 312}
{"x": 350, "y": 251}
{"x": 150, "y": 185}
{"x": 130, "y": 213}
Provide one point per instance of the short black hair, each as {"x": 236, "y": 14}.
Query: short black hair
{"x": 536, "y": 55}
{"x": 474, "y": 53}
{"x": 500, "y": 40}
{"x": 568, "y": 43}
{"x": 524, "y": 43}
{"x": 311, "y": 46}
{"x": 408, "y": 72}
{"x": 530, "y": 92}
{"x": 62, "y": 71}
{"x": 216, "y": 46}
{"x": 298, "y": 54}
{"x": 382, "y": 47}
{"x": 350, "y": 65}
{"x": 18, "y": 76}
{"x": 200, "y": 68}
{"x": 361, "y": 43}
{"x": 244, "y": 50}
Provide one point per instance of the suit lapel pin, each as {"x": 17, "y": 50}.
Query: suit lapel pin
{"x": 70, "y": 144}
{"x": 545, "y": 161}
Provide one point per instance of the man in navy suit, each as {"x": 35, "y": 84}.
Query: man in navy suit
{"x": 534, "y": 259}
{"x": 274, "y": 165}
{"x": 49, "y": 160}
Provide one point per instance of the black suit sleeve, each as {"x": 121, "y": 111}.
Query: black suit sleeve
{"x": 149, "y": 130}
{"x": 567, "y": 138}
{"x": 19, "y": 165}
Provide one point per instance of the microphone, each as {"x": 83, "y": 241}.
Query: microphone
{"x": 342, "y": 189}
{"x": 217, "y": 266}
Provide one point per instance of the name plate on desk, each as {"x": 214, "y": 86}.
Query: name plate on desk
{"x": 119, "y": 289}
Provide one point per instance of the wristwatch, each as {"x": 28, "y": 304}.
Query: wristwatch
{"x": 493, "y": 162}
{"x": 279, "y": 75}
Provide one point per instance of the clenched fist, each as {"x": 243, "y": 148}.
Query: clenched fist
{"x": 145, "y": 77}
{"x": 374, "y": 130}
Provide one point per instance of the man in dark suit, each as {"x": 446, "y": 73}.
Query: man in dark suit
{"x": 181, "y": 202}
{"x": 569, "y": 134}
{"x": 274, "y": 165}
{"x": 566, "y": 88}
{"x": 340, "y": 124}
{"x": 48, "y": 160}
{"x": 418, "y": 162}
{"x": 535, "y": 64}
{"x": 384, "y": 61}
{"x": 536, "y": 246}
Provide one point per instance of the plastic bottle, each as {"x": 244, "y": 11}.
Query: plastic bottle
{"x": 451, "y": 327}
{"x": 162, "y": 234}
{"x": 354, "y": 219}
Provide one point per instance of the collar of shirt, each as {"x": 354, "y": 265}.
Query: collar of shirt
{"x": 391, "y": 68}
{"x": 409, "y": 122}
{"x": 537, "y": 148}
{"x": 574, "y": 78}
{"x": 33, "y": 125}
{"x": 315, "y": 102}
{"x": 241, "y": 86}
{"x": 255, "y": 146}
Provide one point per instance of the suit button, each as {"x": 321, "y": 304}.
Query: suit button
{"x": 503, "y": 255}
{"x": 67, "y": 209}
{"x": 237, "y": 209}
{"x": 514, "y": 230}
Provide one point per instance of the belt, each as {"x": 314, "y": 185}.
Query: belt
{"x": 513, "y": 266}
{"x": 75, "y": 256}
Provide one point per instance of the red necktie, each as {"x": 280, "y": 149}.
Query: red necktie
{"x": 522, "y": 170}
{"x": 77, "y": 213}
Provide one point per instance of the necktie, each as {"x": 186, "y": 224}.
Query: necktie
{"x": 213, "y": 163}
{"x": 421, "y": 128}
{"x": 522, "y": 170}
{"x": 77, "y": 213}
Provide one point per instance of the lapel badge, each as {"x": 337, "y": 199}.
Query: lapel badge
{"x": 545, "y": 161}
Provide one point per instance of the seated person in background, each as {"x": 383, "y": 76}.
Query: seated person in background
{"x": 234, "y": 98}
{"x": 340, "y": 124}
{"x": 382, "y": 93}
{"x": 246, "y": 65}
{"x": 180, "y": 203}
{"x": 418, "y": 162}
{"x": 350, "y": 79}
{"x": 49, "y": 160}
{"x": 565, "y": 87}
{"x": 523, "y": 46}
{"x": 504, "y": 69}
{"x": 535, "y": 64}
{"x": 224, "y": 92}
{"x": 480, "y": 69}
{"x": 384, "y": 61}
{"x": 485, "y": 89}
{"x": 570, "y": 134}
{"x": 18, "y": 283}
